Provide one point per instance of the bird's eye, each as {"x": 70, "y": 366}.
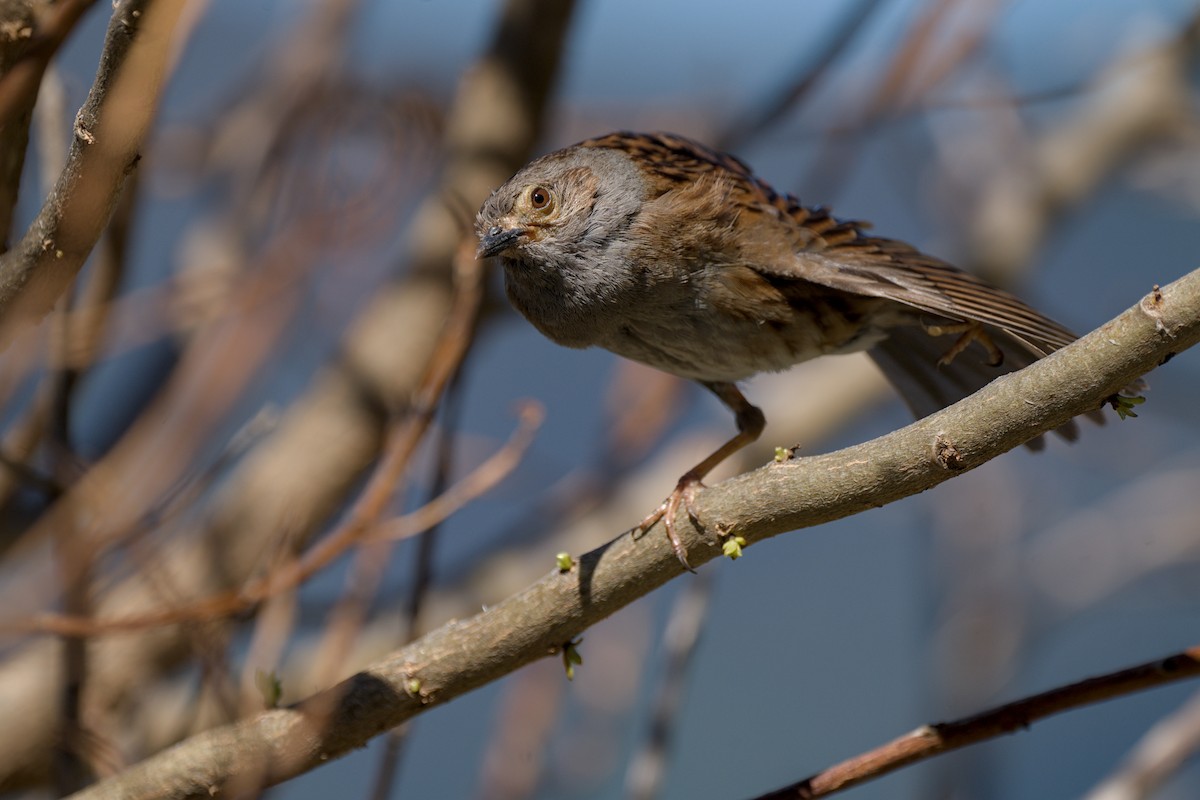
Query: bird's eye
{"x": 539, "y": 198}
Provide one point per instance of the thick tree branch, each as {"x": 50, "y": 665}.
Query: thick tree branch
{"x": 464, "y": 655}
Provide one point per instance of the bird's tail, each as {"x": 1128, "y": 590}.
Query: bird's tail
{"x": 909, "y": 358}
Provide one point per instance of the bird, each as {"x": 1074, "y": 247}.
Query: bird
{"x": 673, "y": 254}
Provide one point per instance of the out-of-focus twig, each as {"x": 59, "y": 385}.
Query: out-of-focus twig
{"x": 911, "y": 73}
{"x": 648, "y": 767}
{"x": 815, "y": 67}
{"x": 22, "y": 437}
{"x": 422, "y": 579}
{"x": 251, "y": 137}
{"x": 388, "y": 479}
{"x": 1154, "y": 759}
{"x": 1168, "y": 539}
{"x": 523, "y": 731}
{"x": 479, "y": 480}
{"x": 1141, "y": 97}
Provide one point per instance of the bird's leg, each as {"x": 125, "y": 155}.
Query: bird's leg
{"x": 971, "y": 332}
{"x": 750, "y": 424}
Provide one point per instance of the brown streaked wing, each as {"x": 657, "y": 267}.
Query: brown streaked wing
{"x": 839, "y": 254}
{"x": 679, "y": 159}
{"x": 855, "y": 262}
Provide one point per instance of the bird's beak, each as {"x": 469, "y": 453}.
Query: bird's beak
{"x": 497, "y": 240}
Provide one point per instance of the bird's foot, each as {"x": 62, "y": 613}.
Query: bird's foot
{"x": 971, "y": 332}
{"x": 684, "y": 495}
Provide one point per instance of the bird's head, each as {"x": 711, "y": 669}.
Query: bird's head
{"x": 567, "y": 203}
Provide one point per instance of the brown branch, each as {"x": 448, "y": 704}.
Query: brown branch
{"x": 109, "y": 132}
{"x": 28, "y": 40}
{"x": 42, "y": 34}
{"x": 477, "y": 482}
{"x": 463, "y": 655}
{"x": 942, "y": 737}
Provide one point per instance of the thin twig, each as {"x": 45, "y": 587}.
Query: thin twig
{"x": 648, "y": 766}
{"x": 816, "y": 66}
{"x": 941, "y": 737}
{"x": 902, "y": 85}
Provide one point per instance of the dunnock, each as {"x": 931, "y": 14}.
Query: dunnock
{"x": 664, "y": 251}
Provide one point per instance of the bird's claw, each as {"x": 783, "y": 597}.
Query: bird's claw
{"x": 970, "y": 332}
{"x": 685, "y": 495}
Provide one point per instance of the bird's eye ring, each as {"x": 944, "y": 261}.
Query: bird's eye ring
{"x": 539, "y": 198}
